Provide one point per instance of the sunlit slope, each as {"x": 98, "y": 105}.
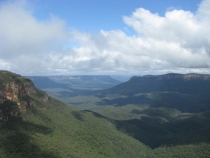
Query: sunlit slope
{"x": 46, "y": 127}
{"x": 57, "y": 130}
{"x": 32, "y": 124}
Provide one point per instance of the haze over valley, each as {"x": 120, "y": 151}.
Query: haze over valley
{"x": 104, "y": 79}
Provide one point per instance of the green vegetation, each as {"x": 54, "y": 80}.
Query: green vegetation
{"x": 53, "y": 129}
{"x": 8, "y": 109}
{"x": 6, "y": 76}
{"x": 183, "y": 151}
{"x": 140, "y": 128}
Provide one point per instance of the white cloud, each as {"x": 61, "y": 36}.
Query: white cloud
{"x": 180, "y": 37}
{"x": 176, "y": 42}
{"x": 24, "y": 39}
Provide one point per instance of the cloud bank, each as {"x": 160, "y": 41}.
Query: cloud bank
{"x": 176, "y": 42}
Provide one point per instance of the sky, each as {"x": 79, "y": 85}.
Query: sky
{"x": 129, "y": 37}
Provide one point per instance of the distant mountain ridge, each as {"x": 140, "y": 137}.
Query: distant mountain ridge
{"x": 50, "y": 128}
{"x": 185, "y": 92}
{"x": 152, "y": 83}
{"x": 88, "y": 78}
{"x": 87, "y": 81}
{"x": 170, "y": 76}
{"x": 43, "y": 82}
{"x": 47, "y": 127}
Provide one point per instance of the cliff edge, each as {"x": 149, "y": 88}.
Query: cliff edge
{"x": 15, "y": 92}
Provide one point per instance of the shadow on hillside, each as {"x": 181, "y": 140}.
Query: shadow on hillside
{"x": 74, "y": 93}
{"x": 182, "y": 132}
{"x": 124, "y": 101}
{"x": 16, "y": 140}
{"x": 193, "y": 130}
{"x": 77, "y": 115}
{"x": 181, "y": 102}
{"x": 96, "y": 114}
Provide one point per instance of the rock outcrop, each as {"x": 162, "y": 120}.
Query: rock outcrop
{"x": 15, "y": 90}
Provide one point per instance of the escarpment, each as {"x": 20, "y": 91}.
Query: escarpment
{"x": 174, "y": 76}
{"x": 15, "y": 92}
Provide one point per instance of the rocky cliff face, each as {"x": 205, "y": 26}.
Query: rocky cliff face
{"x": 15, "y": 88}
{"x": 12, "y": 91}
{"x": 174, "y": 76}
{"x": 184, "y": 77}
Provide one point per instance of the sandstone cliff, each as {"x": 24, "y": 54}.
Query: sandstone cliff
{"x": 191, "y": 76}
{"x": 173, "y": 76}
{"x": 17, "y": 89}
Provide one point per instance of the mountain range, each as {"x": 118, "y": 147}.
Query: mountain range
{"x": 87, "y": 81}
{"x": 187, "y": 93}
{"x": 46, "y": 127}
{"x": 43, "y": 82}
{"x": 149, "y": 116}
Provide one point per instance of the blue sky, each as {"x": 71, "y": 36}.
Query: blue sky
{"x": 133, "y": 37}
{"x": 94, "y": 15}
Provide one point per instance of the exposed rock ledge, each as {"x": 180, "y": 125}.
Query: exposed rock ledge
{"x": 16, "y": 88}
{"x": 14, "y": 91}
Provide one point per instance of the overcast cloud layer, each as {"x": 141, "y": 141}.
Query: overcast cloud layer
{"x": 177, "y": 42}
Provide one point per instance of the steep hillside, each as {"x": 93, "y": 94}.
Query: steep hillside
{"x": 32, "y": 124}
{"x": 49, "y": 128}
{"x": 167, "y": 112}
{"x": 187, "y": 93}
{"x": 186, "y": 83}
{"x": 14, "y": 88}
